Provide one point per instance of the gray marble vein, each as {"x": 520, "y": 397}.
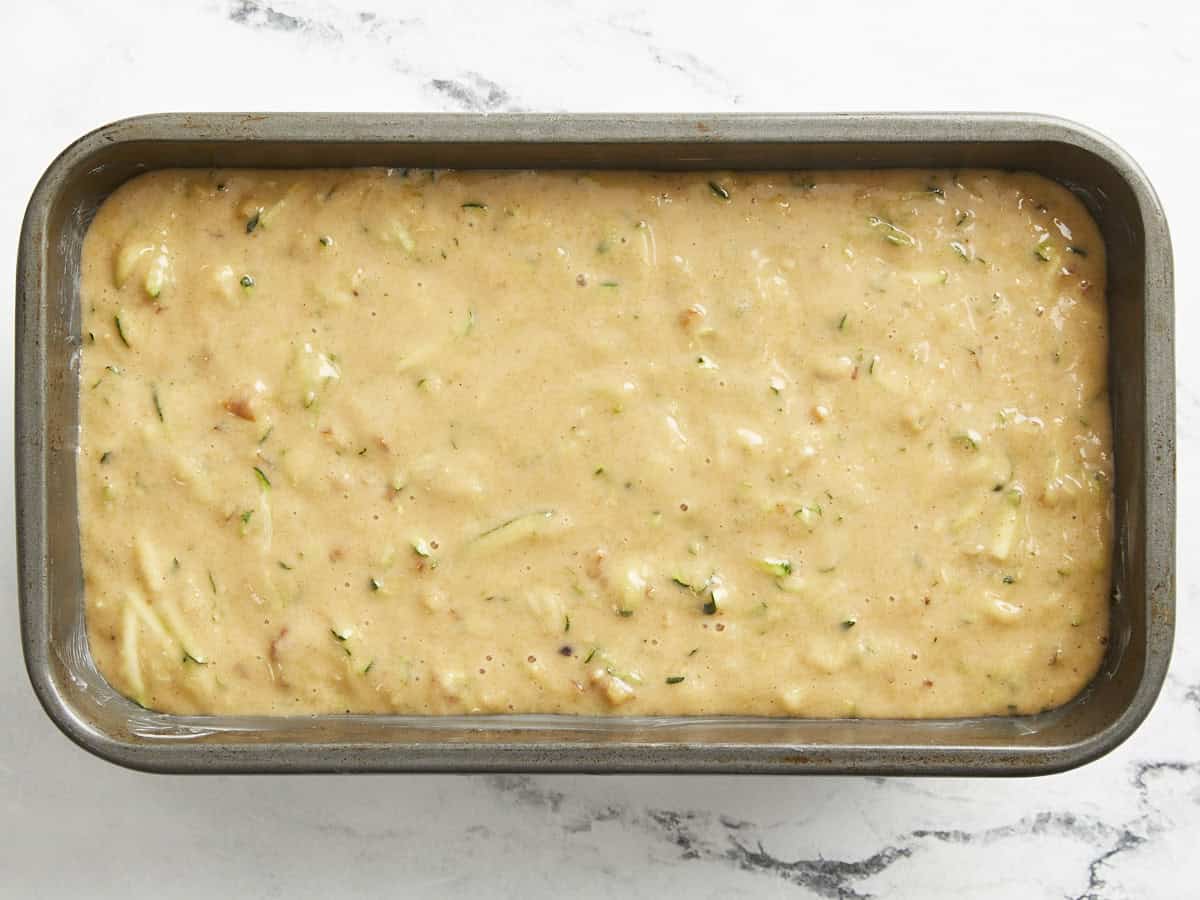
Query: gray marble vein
{"x": 1192, "y": 695}
{"x": 673, "y": 61}
{"x": 254, "y": 14}
{"x": 708, "y": 836}
{"x": 472, "y": 92}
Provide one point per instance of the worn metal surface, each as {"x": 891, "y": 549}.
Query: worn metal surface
{"x": 1141, "y": 304}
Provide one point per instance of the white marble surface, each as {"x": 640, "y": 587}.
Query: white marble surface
{"x": 1127, "y": 826}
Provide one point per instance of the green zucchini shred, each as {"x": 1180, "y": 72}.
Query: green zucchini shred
{"x": 893, "y": 234}
{"x": 157, "y": 403}
{"x": 775, "y": 566}
{"x": 121, "y": 331}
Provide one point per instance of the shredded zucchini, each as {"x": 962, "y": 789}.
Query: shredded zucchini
{"x": 516, "y": 529}
{"x": 775, "y": 566}
{"x": 127, "y": 259}
{"x": 893, "y": 234}
{"x": 121, "y": 330}
{"x": 396, "y": 233}
{"x": 156, "y": 276}
{"x": 809, "y": 515}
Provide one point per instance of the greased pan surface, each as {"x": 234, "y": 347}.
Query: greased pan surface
{"x": 1140, "y": 299}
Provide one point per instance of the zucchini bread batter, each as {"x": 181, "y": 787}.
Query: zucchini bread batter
{"x": 784, "y": 444}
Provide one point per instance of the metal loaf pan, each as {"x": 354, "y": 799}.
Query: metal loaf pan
{"x": 83, "y": 705}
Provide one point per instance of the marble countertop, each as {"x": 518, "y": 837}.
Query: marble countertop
{"x": 1127, "y": 826}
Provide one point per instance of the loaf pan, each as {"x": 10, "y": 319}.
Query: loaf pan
{"x": 1140, "y": 301}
